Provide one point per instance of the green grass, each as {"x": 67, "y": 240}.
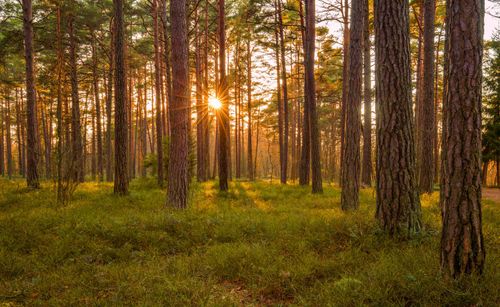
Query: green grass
{"x": 259, "y": 244}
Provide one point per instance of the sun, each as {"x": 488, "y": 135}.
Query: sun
{"x": 214, "y": 103}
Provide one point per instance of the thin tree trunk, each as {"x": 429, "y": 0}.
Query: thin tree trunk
{"x": 76, "y": 130}
{"x": 284, "y": 162}
{"x": 250, "y": 170}
{"x": 398, "y": 203}
{"x": 223, "y": 113}
{"x": 159, "y": 117}
{"x": 8, "y": 140}
{"x": 109, "y": 106}
{"x": 95, "y": 80}
{"x": 305, "y": 157}
{"x": 345, "y": 83}
{"x": 462, "y": 245}
{"x": 366, "y": 176}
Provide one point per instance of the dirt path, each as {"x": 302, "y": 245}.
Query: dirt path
{"x": 493, "y": 194}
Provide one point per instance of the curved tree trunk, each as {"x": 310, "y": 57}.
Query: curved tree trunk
{"x": 398, "y": 203}
{"x": 462, "y": 246}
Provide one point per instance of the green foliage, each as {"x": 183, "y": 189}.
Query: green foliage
{"x": 259, "y": 244}
{"x": 491, "y": 102}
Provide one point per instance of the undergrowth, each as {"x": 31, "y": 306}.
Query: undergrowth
{"x": 259, "y": 244}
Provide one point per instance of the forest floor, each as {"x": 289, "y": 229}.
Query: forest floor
{"x": 259, "y": 244}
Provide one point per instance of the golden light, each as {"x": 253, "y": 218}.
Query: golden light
{"x": 214, "y": 103}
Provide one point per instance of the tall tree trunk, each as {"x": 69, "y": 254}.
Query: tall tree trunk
{"x": 426, "y": 130}
{"x": 310, "y": 96}
{"x": 19, "y": 133}
{"x": 178, "y": 173}
{"x": 366, "y": 176}
{"x": 250, "y": 171}
{"x": 351, "y": 166}
{"x": 31, "y": 122}
{"x": 121, "y": 134}
{"x": 223, "y": 95}
{"x": 398, "y": 203}
{"x": 76, "y": 130}
{"x": 345, "y": 83}
{"x": 109, "y": 106}
{"x": 462, "y": 246}
{"x": 206, "y": 122}
{"x": 284, "y": 161}
{"x": 201, "y": 148}
{"x": 159, "y": 117}
{"x": 8, "y": 145}
{"x": 95, "y": 80}
{"x": 305, "y": 157}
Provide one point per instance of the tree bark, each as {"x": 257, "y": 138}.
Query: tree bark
{"x": 351, "y": 166}
{"x": 398, "y": 203}
{"x": 366, "y": 175}
{"x": 426, "y": 130}
{"x": 310, "y": 96}
{"x": 284, "y": 161}
{"x": 76, "y": 130}
{"x": 159, "y": 117}
{"x": 250, "y": 170}
{"x": 95, "y": 80}
{"x": 121, "y": 133}
{"x": 345, "y": 83}
{"x": 223, "y": 113}
{"x": 462, "y": 246}
{"x": 305, "y": 157}
{"x": 31, "y": 122}
{"x": 178, "y": 173}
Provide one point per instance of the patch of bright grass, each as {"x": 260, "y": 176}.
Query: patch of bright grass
{"x": 259, "y": 244}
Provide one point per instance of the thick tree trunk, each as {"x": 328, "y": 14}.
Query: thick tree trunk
{"x": 223, "y": 113}
{"x": 121, "y": 126}
{"x": 351, "y": 166}
{"x": 426, "y": 130}
{"x": 462, "y": 246}
{"x": 31, "y": 122}
{"x": 366, "y": 175}
{"x": 178, "y": 169}
{"x": 398, "y": 203}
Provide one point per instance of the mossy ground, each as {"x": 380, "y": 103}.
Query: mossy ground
{"x": 259, "y": 244}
